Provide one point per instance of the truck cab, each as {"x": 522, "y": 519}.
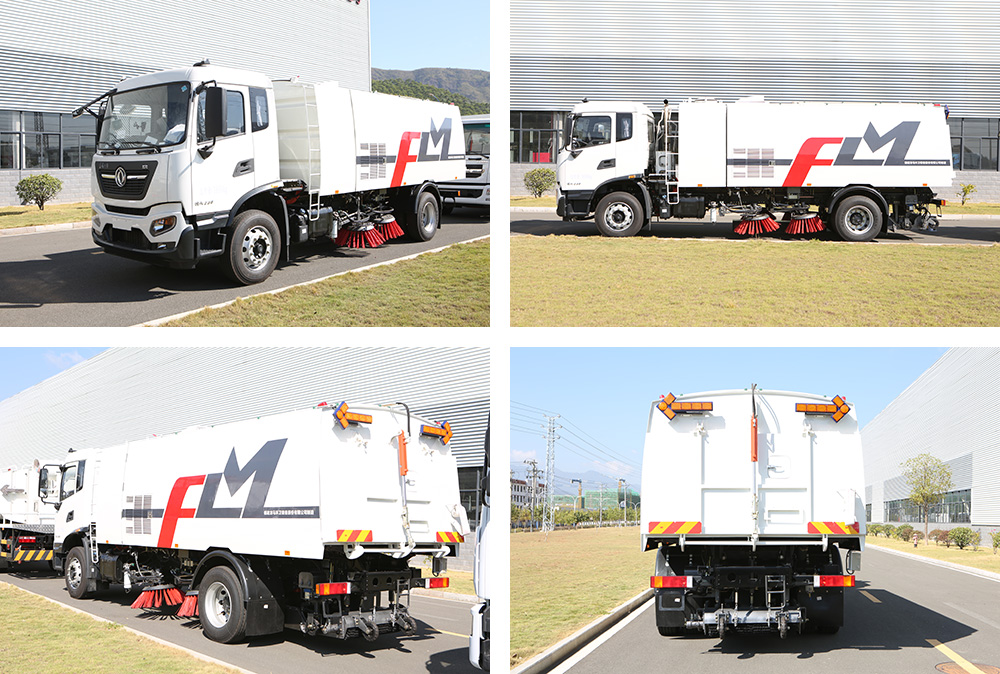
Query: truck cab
{"x": 177, "y": 152}
{"x": 474, "y": 190}
{"x": 608, "y": 147}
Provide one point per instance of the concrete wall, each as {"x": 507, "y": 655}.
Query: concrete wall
{"x": 76, "y": 185}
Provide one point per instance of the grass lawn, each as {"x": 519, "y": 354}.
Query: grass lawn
{"x": 459, "y": 582}
{"x": 449, "y": 289}
{"x": 54, "y": 214}
{"x": 649, "y": 281}
{"x": 983, "y": 559}
{"x": 39, "y": 637}
{"x": 543, "y": 201}
{"x": 559, "y": 584}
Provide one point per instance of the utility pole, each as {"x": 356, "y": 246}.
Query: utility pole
{"x": 548, "y": 516}
{"x": 600, "y": 508}
{"x": 579, "y": 494}
{"x": 533, "y": 476}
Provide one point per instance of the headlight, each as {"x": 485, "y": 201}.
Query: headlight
{"x": 162, "y": 225}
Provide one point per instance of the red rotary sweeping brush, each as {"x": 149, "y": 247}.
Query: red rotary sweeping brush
{"x": 157, "y": 596}
{"x": 189, "y": 608}
{"x": 389, "y": 228}
{"x": 756, "y": 224}
{"x": 805, "y": 222}
{"x": 359, "y": 238}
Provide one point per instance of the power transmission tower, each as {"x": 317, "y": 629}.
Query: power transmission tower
{"x": 533, "y": 475}
{"x": 548, "y": 513}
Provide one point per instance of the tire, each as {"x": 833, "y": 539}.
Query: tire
{"x": 422, "y": 225}
{"x": 619, "y": 214}
{"x": 670, "y": 631}
{"x": 254, "y": 247}
{"x": 222, "y": 606}
{"x": 857, "y": 218}
{"x": 77, "y": 573}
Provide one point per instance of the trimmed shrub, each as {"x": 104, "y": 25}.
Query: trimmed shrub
{"x": 995, "y": 535}
{"x": 962, "y": 536}
{"x": 539, "y": 180}
{"x": 38, "y": 189}
{"x": 888, "y": 530}
{"x": 976, "y": 541}
{"x": 874, "y": 529}
{"x": 904, "y": 533}
{"x": 935, "y": 535}
{"x": 945, "y": 537}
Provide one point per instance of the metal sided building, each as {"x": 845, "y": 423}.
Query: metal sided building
{"x": 952, "y": 412}
{"x": 126, "y": 394}
{"x": 56, "y": 56}
{"x": 562, "y": 51}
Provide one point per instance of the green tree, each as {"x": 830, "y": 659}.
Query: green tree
{"x": 539, "y": 180}
{"x": 928, "y": 479}
{"x": 412, "y": 89}
{"x": 38, "y": 189}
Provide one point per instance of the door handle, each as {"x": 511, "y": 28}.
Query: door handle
{"x": 607, "y": 163}
{"x": 243, "y": 167}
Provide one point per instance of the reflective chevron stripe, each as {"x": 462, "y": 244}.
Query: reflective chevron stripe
{"x": 449, "y": 537}
{"x": 674, "y": 528}
{"x": 833, "y": 528}
{"x": 354, "y": 535}
{"x": 32, "y": 556}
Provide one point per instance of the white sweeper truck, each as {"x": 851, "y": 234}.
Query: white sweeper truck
{"x": 206, "y": 162}
{"x": 856, "y": 168}
{"x": 26, "y": 523}
{"x": 751, "y": 499}
{"x": 304, "y": 520}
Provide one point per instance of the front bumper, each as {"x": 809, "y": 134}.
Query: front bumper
{"x": 128, "y": 236}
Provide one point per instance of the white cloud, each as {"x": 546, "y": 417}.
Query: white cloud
{"x": 519, "y": 455}
{"x": 64, "y": 360}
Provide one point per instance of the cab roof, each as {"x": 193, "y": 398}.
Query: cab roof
{"x": 196, "y": 75}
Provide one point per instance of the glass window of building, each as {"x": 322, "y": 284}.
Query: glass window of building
{"x": 974, "y": 143}
{"x": 534, "y": 137}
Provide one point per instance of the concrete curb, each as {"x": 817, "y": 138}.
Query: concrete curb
{"x": 972, "y": 571}
{"x": 440, "y": 594}
{"x": 161, "y": 321}
{"x": 548, "y": 659}
{"x": 39, "y": 229}
{"x": 946, "y": 216}
{"x": 162, "y": 642}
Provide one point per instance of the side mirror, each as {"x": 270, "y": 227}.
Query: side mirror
{"x": 853, "y": 561}
{"x": 100, "y": 119}
{"x": 48, "y": 484}
{"x": 215, "y": 112}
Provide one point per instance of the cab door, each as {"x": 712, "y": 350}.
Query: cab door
{"x": 589, "y": 160}
{"x": 223, "y": 166}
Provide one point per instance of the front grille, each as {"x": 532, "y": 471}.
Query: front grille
{"x": 134, "y": 175}
{"x": 127, "y": 238}
{"x": 473, "y": 170}
{"x": 125, "y": 210}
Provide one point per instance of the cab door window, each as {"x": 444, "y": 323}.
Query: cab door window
{"x": 591, "y": 130}
{"x": 72, "y": 480}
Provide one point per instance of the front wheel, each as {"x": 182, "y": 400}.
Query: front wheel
{"x": 76, "y": 572}
{"x": 222, "y": 606}
{"x": 619, "y": 214}
{"x": 254, "y": 245}
{"x": 858, "y": 218}
{"x": 423, "y": 224}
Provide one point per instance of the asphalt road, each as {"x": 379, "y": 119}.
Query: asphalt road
{"x": 440, "y": 645}
{"x": 62, "y": 278}
{"x": 983, "y": 231}
{"x": 897, "y": 606}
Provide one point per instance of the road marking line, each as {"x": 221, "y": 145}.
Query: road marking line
{"x": 159, "y": 321}
{"x": 454, "y": 634}
{"x": 955, "y": 657}
{"x": 592, "y": 646}
{"x": 870, "y": 596}
{"x": 978, "y": 617}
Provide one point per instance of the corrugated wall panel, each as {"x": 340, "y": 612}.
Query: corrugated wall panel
{"x": 126, "y": 393}
{"x": 951, "y": 411}
{"x": 565, "y": 50}
{"x": 56, "y": 56}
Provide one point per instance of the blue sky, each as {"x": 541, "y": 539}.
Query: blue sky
{"x": 22, "y": 368}
{"x": 407, "y": 35}
{"x": 603, "y": 394}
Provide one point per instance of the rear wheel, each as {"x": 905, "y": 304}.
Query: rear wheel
{"x": 670, "y": 631}
{"x": 858, "y": 218}
{"x": 422, "y": 225}
{"x": 254, "y": 245}
{"x": 77, "y": 573}
{"x": 619, "y": 214}
{"x": 222, "y": 606}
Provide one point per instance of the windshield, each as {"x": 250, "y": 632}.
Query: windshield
{"x": 149, "y": 117}
{"x": 590, "y": 130}
{"x": 477, "y": 138}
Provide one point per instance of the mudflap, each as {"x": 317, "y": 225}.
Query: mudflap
{"x": 669, "y": 607}
{"x": 824, "y": 607}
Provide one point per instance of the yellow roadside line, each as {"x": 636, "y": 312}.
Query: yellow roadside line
{"x": 955, "y": 657}
{"x": 871, "y": 596}
{"x": 466, "y": 636}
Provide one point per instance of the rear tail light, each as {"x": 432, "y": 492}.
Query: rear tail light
{"x": 333, "y": 588}
{"x": 671, "y": 581}
{"x": 435, "y": 583}
{"x": 26, "y": 539}
{"x": 833, "y": 581}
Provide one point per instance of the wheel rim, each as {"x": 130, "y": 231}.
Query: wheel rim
{"x": 618, "y": 216}
{"x": 428, "y": 217}
{"x": 859, "y": 219}
{"x": 74, "y": 573}
{"x": 218, "y": 605}
{"x": 257, "y": 248}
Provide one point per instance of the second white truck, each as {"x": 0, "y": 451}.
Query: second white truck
{"x": 304, "y": 520}
{"x": 856, "y": 168}
{"x": 27, "y": 524}
{"x": 473, "y": 191}
{"x": 750, "y": 500}
{"x": 210, "y": 162}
